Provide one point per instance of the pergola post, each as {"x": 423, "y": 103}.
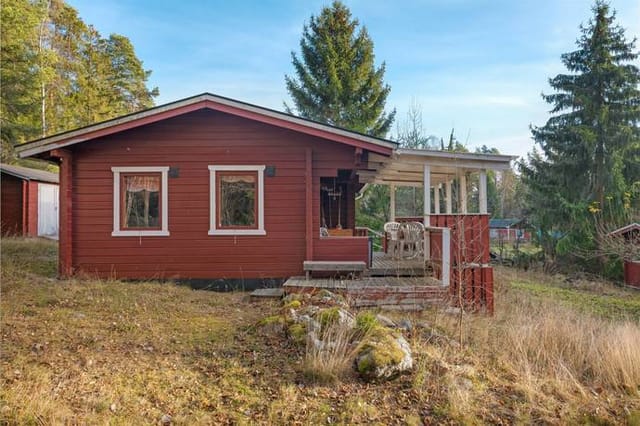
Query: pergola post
{"x": 463, "y": 194}
{"x": 392, "y": 203}
{"x": 436, "y": 198}
{"x": 426, "y": 182}
{"x": 448, "y": 196}
{"x": 482, "y": 192}
{"x": 426, "y": 209}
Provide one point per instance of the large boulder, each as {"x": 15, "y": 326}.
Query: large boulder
{"x": 383, "y": 354}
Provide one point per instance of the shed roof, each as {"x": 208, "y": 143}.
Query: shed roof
{"x": 503, "y": 223}
{"x": 29, "y": 174}
{"x": 213, "y": 102}
{"x": 626, "y": 229}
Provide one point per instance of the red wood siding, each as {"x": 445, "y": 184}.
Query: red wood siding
{"x": 471, "y": 276}
{"x": 632, "y": 273}
{"x": 342, "y": 248}
{"x": 474, "y": 247}
{"x": 11, "y": 205}
{"x": 190, "y": 143}
{"x": 32, "y": 209}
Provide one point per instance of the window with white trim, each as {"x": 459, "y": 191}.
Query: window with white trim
{"x": 140, "y": 201}
{"x": 236, "y": 200}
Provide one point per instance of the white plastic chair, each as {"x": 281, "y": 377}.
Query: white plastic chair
{"x": 413, "y": 238}
{"x": 392, "y": 229}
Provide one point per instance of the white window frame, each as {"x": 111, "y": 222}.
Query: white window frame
{"x": 164, "y": 203}
{"x": 213, "y": 227}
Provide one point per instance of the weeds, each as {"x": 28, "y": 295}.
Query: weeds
{"x": 329, "y": 357}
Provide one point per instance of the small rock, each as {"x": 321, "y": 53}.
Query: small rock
{"x": 165, "y": 419}
{"x": 405, "y": 324}
{"x": 423, "y": 324}
{"x": 112, "y": 407}
{"x": 335, "y": 315}
{"x": 464, "y": 383}
{"x": 385, "y": 321}
{"x": 452, "y": 311}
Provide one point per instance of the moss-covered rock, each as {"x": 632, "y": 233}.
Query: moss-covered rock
{"x": 274, "y": 323}
{"x": 300, "y": 297}
{"x": 334, "y": 315}
{"x": 292, "y": 304}
{"x": 298, "y": 332}
{"x": 383, "y": 355}
{"x": 366, "y": 321}
{"x": 325, "y": 297}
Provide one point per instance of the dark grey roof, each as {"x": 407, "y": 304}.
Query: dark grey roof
{"x": 72, "y": 137}
{"x": 626, "y": 229}
{"x": 503, "y": 223}
{"x": 29, "y": 174}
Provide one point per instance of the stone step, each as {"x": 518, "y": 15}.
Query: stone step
{"x": 274, "y": 293}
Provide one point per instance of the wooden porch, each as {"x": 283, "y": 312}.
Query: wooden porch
{"x": 384, "y": 265}
{"x": 453, "y": 256}
{"x": 404, "y": 293}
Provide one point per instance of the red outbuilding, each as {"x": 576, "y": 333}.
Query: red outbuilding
{"x": 28, "y": 202}
{"x": 630, "y": 236}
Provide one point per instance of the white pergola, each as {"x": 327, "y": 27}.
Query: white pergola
{"x": 433, "y": 170}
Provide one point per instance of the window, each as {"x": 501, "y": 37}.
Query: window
{"x": 140, "y": 201}
{"x": 237, "y": 200}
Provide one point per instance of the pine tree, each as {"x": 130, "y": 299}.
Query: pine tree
{"x": 589, "y": 158}
{"x": 19, "y": 91}
{"x": 58, "y": 73}
{"x": 336, "y": 79}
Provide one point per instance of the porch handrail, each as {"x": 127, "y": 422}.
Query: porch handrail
{"x": 371, "y": 232}
{"x": 446, "y": 251}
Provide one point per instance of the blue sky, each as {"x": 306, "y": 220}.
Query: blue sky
{"x": 478, "y": 66}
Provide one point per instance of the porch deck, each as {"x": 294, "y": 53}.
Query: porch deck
{"x": 384, "y": 265}
{"x": 406, "y": 293}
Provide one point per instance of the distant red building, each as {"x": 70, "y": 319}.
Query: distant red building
{"x": 631, "y": 235}
{"x": 28, "y": 202}
{"x": 508, "y": 230}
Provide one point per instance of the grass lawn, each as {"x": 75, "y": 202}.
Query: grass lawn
{"x": 91, "y": 351}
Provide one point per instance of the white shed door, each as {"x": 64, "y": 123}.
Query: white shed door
{"x": 47, "y": 210}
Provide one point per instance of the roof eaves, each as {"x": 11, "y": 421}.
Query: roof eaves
{"x": 29, "y": 174}
{"x": 456, "y": 155}
{"x": 76, "y": 136}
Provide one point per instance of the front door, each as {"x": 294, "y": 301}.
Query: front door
{"x": 47, "y": 210}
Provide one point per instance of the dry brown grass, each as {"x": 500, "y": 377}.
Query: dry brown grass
{"x": 560, "y": 358}
{"x": 331, "y": 359}
{"x": 98, "y": 352}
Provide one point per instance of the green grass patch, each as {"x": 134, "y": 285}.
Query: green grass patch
{"x": 604, "y": 305}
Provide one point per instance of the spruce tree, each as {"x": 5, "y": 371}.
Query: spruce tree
{"x": 336, "y": 79}
{"x": 589, "y": 158}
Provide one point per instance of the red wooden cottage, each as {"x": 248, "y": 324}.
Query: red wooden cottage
{"x": 28, "y": 202}
{"x": 209, "y": 187}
